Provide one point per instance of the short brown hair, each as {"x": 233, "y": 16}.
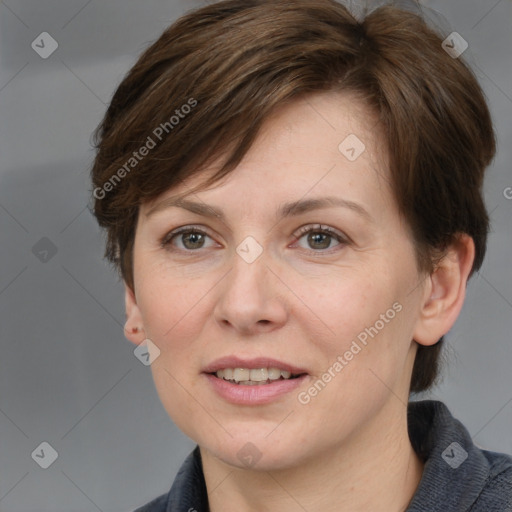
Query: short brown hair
{"x": 234, "y": 62}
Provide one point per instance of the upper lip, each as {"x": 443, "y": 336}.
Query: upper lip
{"x": 252, "y": 364}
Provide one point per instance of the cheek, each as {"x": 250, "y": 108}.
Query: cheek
{"x": 369, "y": 337}
{"x": 170, "y": 298}
{"x": 173, "y": 309}
{"x": 350, "y": 303}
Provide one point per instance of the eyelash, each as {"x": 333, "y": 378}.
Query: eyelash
{"x": 325, "y": 230}
{"x": 165, "y": 242}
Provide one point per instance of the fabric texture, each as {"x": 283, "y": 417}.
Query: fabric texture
{"x": 458, "y": 476}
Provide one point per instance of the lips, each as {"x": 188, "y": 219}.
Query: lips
{"x": 252, "y": 393}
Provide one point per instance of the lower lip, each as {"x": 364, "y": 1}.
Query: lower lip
{"x": 253, "y": 395}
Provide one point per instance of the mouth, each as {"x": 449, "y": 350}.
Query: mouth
{"x": 255, "y": 376}
{"x": 251, "y": 382}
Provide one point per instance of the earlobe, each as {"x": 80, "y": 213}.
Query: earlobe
{"x": 446, "y": 292}
{"x": 133, "y": 328}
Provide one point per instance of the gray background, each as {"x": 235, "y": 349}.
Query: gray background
{"x": 68, "y": 375}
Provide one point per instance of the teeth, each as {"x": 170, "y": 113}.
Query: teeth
{"x": 259, "y": 375}
{"x": 274, "y": 373}
{"x": 240, "y": 374}
{"x": 251, "y": 377}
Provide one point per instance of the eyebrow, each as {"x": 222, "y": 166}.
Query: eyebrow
{"x": 285, "y": 210}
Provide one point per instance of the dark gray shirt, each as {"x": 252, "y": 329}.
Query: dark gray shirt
{"x": 458, "y": 476}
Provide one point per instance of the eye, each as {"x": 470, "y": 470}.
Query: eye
{"x": 320, "y": 238}
{"x": 191, "y": 238}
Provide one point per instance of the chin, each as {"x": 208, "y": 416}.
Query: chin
{"x": 256, "y": 453}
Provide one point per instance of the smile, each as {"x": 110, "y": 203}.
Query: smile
{"x": 254, "y": 376}
{"x": 253, "y": 381}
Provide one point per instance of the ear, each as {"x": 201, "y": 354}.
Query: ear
{"x": 445, "y": 292}
{"x": 134, "y": 327}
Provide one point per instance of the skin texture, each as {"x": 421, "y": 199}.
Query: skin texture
{"x": 303, "y": 301}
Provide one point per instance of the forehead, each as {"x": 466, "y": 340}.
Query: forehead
{"x": 309, "y": 142}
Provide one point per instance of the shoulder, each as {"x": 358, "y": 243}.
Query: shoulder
{"x": 496, "y": 494}
{"x": 188, "y": 491}
{"x": 157, "y": 505}
{"x": 458, "y": 474}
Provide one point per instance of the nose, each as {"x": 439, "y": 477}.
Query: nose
{"x": 252, "y": 298}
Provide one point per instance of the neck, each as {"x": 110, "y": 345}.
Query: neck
{"x": 377, "y": 469}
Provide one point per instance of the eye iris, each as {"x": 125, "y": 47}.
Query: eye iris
{"x": 314, "y": 238}
{"x": 195, "y": 238}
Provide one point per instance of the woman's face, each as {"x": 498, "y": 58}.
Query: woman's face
{"x": 267, "y": 288}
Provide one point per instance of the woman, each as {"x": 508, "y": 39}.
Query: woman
{"x": 293, "y": 199}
